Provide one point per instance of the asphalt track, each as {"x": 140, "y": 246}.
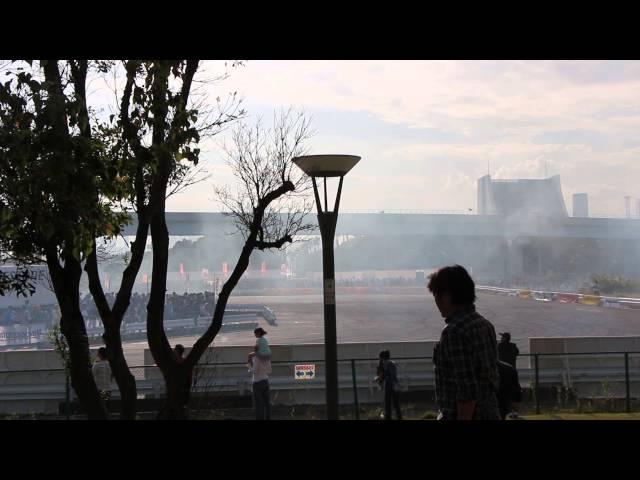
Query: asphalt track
{"x": 414, "y": 317}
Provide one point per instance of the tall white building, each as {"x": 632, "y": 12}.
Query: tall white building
{"x": 580, "y": 205}
{"x": 521, "y": 197}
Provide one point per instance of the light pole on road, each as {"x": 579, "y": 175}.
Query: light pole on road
{"x": 326, "y": 166}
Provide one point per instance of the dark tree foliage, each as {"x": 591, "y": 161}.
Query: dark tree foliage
{"x": 57, "y": 186}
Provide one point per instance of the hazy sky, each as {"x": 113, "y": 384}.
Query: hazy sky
{"x": 426, "y": 130}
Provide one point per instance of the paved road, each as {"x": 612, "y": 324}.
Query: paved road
{"x": 363, "y": 318}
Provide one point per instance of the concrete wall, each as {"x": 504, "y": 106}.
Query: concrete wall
{"x": 590, "y": 375}
{"x": 28, "y": 391}
{"x": 235, "y": 379}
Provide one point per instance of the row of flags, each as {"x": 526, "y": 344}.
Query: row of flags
{"x": 204, "y": 273}
{"x": 225, "y": 270}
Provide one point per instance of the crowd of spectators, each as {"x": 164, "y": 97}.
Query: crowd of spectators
{"x": 48, "y": 315}
{"x": 176, "y": 306}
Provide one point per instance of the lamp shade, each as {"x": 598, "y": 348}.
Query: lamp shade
{"x": 326, "y": 165}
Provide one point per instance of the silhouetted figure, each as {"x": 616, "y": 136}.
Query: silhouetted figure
{"x": 507, "y": 352}
{"x": 509, "y": 390}
{"x": 261, "y": 368}
{"x": 102, "y": 374}
{"x": 388, "y": 379}
{"x": 465, "y": 359}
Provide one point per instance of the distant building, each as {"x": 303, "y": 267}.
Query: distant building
{"x": 580, "y": 205}
{"x": 521, "y": 197}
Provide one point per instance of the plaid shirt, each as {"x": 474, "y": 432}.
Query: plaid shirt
{"x": 465, "y": 363}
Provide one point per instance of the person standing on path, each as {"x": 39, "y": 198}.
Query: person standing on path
{"x": 102, "y": 374}
{"x": 261, "y": 369}
{"x": 509, "y": 391}
{"x": 507, "y": 352}
{"x": 388, "y": 376}
{"x": 465, "y": 359}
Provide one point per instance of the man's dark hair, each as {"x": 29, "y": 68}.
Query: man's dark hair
{"x": 455, "y": 280}
{"x": 102, "y": 352}
{"x": 385, "y": 355}
{"x": 179, "y": 349}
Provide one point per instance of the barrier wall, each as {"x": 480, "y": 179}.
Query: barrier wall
{"x": 589, "y": 375}
{"x": 43, "y": 391}
{"x": 286, "y": 390}
{"x": 23, "y": 390}
{"x": 590, "y": 300}
{"x": 565, "y": 297}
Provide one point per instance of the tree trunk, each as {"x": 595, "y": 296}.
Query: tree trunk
{"x": 156, "y": 336}
{"x": 112, "y": 320}
{"x": 82, "y": 379}
{"x": 121, "y": 372}
{"x": 73, "y": 328}
{"x": 66, "y": 284}
{"x": 164, "y": 147}
{"x": 176, "y": 402}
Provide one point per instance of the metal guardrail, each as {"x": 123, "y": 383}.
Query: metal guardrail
{"x": 536, "y": 374}
{"x": 552, "y": 295}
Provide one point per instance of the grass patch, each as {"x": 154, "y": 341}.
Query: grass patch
{"x": 584, "y": 416}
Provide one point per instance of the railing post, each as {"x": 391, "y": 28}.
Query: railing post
{"x": 626, "y": 381}
{"x": 537, "y": 380}
{"x": 355, "y": 389}
{"x": 67, "y": 396}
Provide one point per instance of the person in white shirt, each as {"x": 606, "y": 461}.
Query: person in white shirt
{"x": 261, "y": 368}
{"x": 102, "y": 374}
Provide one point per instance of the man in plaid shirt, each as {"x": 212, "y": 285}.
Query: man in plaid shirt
{"x": 465, "y": 358}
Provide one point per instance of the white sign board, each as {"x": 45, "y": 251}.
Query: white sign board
{"x": 304, "y": 372}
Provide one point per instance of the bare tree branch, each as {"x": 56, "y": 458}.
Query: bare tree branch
{"x": 268, "y": 207}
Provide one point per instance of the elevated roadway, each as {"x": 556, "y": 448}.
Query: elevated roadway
{"x": 206, "y": 223}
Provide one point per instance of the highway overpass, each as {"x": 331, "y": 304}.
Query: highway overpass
{"x": 205, "y": 223}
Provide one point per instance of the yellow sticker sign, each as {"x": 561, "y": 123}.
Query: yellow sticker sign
{"x": 329, "y": 292}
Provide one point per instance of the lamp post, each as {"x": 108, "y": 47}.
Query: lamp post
{"x": 326, "y": 166}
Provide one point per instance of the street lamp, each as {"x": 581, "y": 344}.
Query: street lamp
{"x": 325, "y": 166}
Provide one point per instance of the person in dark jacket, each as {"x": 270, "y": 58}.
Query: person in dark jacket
{"x": 509, "y": 390}
{"x": 465, "y": 358}
{"x": 507, "y": 352}
{"x": 388, "y": 377}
